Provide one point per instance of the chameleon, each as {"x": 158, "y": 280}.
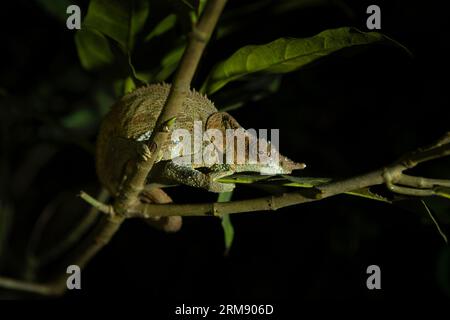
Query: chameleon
{"x": 129, "y": 124}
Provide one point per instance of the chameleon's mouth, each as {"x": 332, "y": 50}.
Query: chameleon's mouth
{"x": 288, "y": 165}
{"x": 299, "y": 166}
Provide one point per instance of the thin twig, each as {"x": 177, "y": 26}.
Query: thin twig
{"x": 421, "y": 182}
{"x": 100, "y": 206}
{"x": 42, "y": 289}
{"x": 97, "y": 238}
{"x": 79, "y": 231}
{"x": 435, "y": 222}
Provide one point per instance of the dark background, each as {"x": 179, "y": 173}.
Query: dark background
{"x": 345, "y": 115}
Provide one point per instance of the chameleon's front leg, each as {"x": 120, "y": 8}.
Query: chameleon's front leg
{"x": 189, "y": 176}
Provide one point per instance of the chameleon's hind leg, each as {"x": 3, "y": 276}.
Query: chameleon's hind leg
{"x": 187, "y": 175}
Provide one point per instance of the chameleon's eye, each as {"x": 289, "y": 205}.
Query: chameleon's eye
{"x": 176, "y": 140}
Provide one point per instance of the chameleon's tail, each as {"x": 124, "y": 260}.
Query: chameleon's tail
{"x": 157, "y": 195}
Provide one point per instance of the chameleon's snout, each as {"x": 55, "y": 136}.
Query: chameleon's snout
{"x": 288, "y": 165}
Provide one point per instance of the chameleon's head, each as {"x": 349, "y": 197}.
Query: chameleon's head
{"x": 269, "y": 161}
{"x": 287, "y": 165}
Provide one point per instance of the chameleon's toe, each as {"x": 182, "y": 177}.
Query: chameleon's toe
{"x": 144, "y": 151}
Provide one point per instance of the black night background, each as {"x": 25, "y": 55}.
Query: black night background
{"x": 343, "y": 115}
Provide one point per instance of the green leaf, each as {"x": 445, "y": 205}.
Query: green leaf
{"x": 169, "y": 63}
{"x": 166, "y": 67}
{"x": 135, "y": 77}
{"x": 188, "y": 4}
{"x": 304, "y": 182}
{"x": 56, "y": 8}
{"x": 224, "y": 196}
{"x": 228, "y": 232}
{"x": 162, "y": 27}
{"x": 194, "y": 9}
{"x": 93, "y": 49}
{"x": 284, "y": 180}
{"x": 243, "y": 178}
{"x": 227, "y": 226}
{"x": 118, "y": 19}
{"x": 297, "y": 182}
{"x": 129, "y": 85}
{"x": 307, "y": 182}
{"x": 366, "y": 193}
{"x": 201, "y": 7}
{"x": 79, "y": 119}
{"x": 253, "y": 90}
{"x": 288, "y": 54}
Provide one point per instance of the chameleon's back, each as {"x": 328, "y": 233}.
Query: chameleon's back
{"x": 134, "y": 117}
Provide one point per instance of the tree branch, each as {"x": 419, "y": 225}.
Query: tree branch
{"x": 269, "y": 203}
